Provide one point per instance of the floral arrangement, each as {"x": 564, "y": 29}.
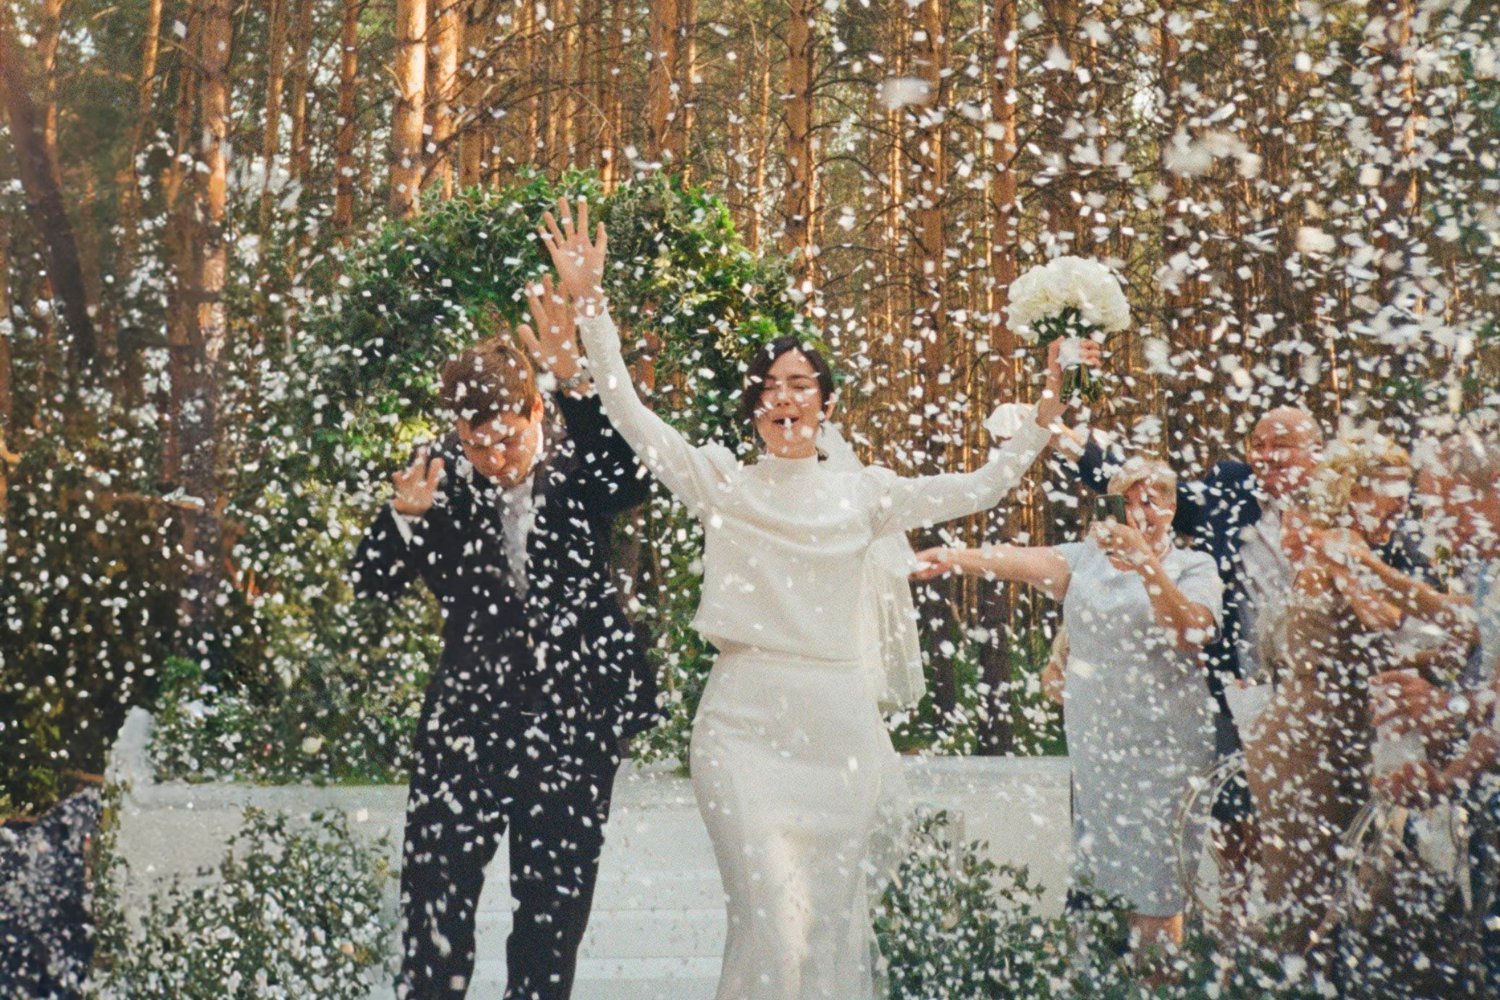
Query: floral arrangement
{"x": 1065, "y": 298}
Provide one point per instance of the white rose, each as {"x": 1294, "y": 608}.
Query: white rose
{"x": 312, "y": 745}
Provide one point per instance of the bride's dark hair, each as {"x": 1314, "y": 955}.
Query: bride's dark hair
{"x": 760, "y": 368}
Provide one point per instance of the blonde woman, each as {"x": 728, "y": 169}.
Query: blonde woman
{"x": 1307, "y": 756}
{"x": 1138, "y": 610}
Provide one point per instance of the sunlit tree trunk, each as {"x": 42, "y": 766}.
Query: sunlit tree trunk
{"x": 686, "y": 72}
{"x": 197, "y": 400}
{"x": 801, "y": 149}
{"x": 130, "y": 177}
{"x": 407, "y": 118}
{"x": 346, "y": 171}
{"x": 300, "y": 152}
{"x": 995, "y": 598}
{"x": 442, "y": 83}
{"x": 46, "y": 208}
{"x": 275, "y": 74}
{"x": 660, "y": 80}
{"x": 48, "y": 38}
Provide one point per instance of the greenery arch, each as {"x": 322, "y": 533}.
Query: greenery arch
{"x": 328, "y": 685}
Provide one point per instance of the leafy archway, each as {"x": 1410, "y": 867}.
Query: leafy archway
{"x": 328, "y": 684}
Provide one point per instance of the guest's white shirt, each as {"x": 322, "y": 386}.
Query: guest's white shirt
{"x": 1267, "y": 577}
{"x": 517, "y": 511}
{"x": 786, "y": 538}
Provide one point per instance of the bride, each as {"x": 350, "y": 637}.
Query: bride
{"x": 790, "y": 756}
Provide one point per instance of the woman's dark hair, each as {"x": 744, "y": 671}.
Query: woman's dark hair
{"x": 760, "y": 369}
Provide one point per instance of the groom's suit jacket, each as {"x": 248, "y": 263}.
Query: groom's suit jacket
{"x": 563, "y": 650}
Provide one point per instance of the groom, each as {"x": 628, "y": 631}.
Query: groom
{"x": 541, "y": 679}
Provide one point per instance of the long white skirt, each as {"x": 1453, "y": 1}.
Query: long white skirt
{"x": 794, "y": 771}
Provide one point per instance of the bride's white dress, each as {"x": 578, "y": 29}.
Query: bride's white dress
{"x": 791, "y": 760}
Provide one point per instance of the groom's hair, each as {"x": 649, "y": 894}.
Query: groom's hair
{"x": 489, "y": 378}
{"x": 760, "y": 369}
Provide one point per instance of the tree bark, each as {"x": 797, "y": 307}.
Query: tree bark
{"x": 347, "y": 174}
{"x": 686, "y": 71}
{"x": 762, "y": 145}
{"x": 47, "y": 41}
{"x": 406, "y": 120}
{"x": 206, "y": 332}
{"x": 661, "y": 73}
{"x": 130, "y": 177}
{"x": 442, "y": 83}
{"x": 299, "y": 154}
{"x": 801, "y": 151}
{"x": 997, "y": 735}
{"x": 46, "y": 208}
{"x": 275, "y": 76}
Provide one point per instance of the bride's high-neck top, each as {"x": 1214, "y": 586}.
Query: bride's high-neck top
{"x": 786, "y": 538}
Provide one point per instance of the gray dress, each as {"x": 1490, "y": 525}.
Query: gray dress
{"x": 1139, "y": 720}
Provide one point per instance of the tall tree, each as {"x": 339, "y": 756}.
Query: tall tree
{"x": 447, "y": 28}
{"x": 407, "y": 118}
{"x": 801, "y": 144}
{"x": 275, "y": 76}
{"x": 661, "y": 77}
{"x": 345, "y": 171}
{"x": 45, "y": 205}
{"x": 300, "y": 152}
{"x": 207, "y": 329}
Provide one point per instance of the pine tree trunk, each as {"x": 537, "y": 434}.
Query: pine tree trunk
{"x": 661, "y": 72}
{"x": 442, "y": 85}
{"x": 801, "y": 195}
{"x": 207, "y": 331}
{"x": 407, "y": 118}
{"x": 300, "y": 153}
{"x": 130, "y": 178}
{"x": 685, "y": 74}
{"x": 997, "y": 736}
{"x": 343, "y": 158}
{"x": 46, "y": 208}
{"x": 49, "y": 35}
{"x": 763, "y": 142}
{"x": 275, "y": 75}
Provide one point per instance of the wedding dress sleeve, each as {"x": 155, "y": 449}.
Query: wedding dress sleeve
{"x": 905, "y": 503}
{"x": 695, "y": 474}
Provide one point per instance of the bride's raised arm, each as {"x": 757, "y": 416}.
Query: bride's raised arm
{"x": 907, "y": 503}
{"x": 691, "y": 472}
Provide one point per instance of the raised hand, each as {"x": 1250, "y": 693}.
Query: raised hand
{"x": 553, "y": 340}
{"x": 579, "y": 261}
{"x": 1052, "y": 405}
{"x": 416, "y": 487}
{"x": 1123, "y": 543}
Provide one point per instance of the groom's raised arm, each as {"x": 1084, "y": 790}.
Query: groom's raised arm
{"x": 614, "y": 480}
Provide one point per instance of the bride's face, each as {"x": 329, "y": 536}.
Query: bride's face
{"x": 791, "y": 407}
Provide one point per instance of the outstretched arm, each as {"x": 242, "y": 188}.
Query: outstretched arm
{"x": 1040, "y": 566}
{"x": 924, "y": 500}
{"x": 693, "y": 474}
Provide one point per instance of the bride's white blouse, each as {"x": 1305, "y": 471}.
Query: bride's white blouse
{"x": 787, "y": 538}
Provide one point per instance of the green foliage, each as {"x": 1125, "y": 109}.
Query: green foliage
{"x": 256, "y": 930}
{"x": 954, "y": 925}
{"x": 358, "y": 388}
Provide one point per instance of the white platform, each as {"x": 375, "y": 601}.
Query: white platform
{"x": 657, "y": 928}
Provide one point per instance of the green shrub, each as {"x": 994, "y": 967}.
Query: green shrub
{"x": 295, "y": 912}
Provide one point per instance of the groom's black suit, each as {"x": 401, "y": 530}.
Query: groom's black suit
{"x": 522, "y": 724}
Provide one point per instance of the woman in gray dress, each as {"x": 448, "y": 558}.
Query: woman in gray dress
{"x": 1138, "y": 610}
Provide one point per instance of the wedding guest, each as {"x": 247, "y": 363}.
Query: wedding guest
{"x": 1459, "y": 722}
{"x": 1138, "y": 610}
{"x": 1308, "y": 755}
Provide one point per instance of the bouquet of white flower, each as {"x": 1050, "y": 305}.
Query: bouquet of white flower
{"x": 1068, "y": 297}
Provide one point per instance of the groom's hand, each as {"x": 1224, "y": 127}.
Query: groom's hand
{"x": 416, "y": 487}
{"x": 553, "y": 340}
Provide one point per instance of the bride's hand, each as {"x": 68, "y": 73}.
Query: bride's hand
{"x": 1052, "y": 405}
{"x": 935, "y": 563}
{"x": 579, "y": 261}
